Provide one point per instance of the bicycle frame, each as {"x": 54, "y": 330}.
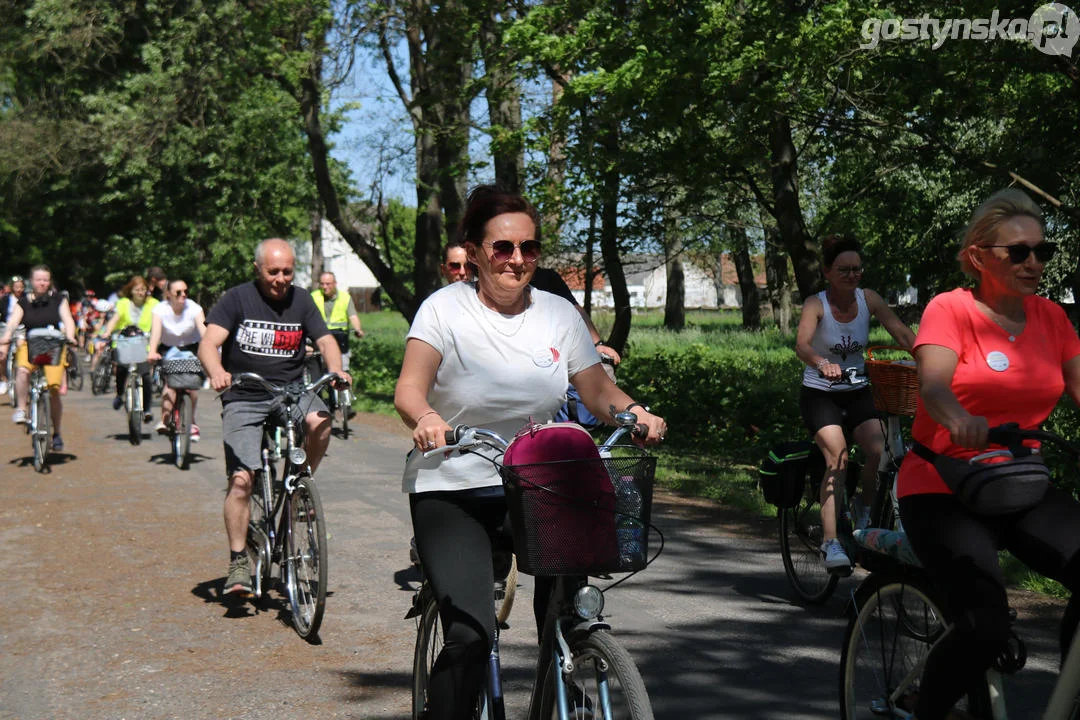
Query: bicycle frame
{"x": 277, "y": 505}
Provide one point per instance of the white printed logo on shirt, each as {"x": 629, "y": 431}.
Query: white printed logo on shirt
{"x": 273, "y": 339}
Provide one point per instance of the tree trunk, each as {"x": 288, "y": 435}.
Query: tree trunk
{"x": 675, "y": 303}
{"x": 789, "y": 219}
{"x": 609, "y": 239}
{"x": 556, "y": 170}
{"x": 590, "y": 260}
{"x": 504, "y": 109}
{"x": 316, "y": 247}
{"x": 744, "y": 268}
{"x": 776, "y": 278}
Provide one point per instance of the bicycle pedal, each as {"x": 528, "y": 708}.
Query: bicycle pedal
{"x": 842, "y": 571}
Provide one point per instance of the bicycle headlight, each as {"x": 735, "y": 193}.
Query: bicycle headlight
{"x": 588, "y": 602}
{"x": 297, "y": 456}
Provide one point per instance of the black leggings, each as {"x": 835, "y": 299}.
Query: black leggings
{"x": 144, "y": 371}
{"x": 453, "y": 540}
{"x": 960, "y": 552}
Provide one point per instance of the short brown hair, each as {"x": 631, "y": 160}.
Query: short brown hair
{"x": 487, "y": 202}
{"x": 1001, "y": 207}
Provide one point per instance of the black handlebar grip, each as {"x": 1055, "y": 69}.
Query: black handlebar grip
{"x": 1006, "y": 434}
{"x": 452, "y": 436}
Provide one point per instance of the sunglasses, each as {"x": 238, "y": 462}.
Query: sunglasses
{"x": 1044, "y": 251}
{"x": 503, "y": 250}
{"x": 849, "y": 271}
{"x": 180, "y": 292}
{"x": 457, "y": 265}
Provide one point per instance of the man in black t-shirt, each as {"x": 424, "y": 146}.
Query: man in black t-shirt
{"x": 261, "y": 327}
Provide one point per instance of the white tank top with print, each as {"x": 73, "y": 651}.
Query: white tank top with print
{"x": 840, "y": 343}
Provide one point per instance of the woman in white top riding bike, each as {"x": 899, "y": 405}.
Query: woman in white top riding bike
{"x": 493, "y": 354}
{"x": 178, "y": 323}
{"x": 834, "y": 331}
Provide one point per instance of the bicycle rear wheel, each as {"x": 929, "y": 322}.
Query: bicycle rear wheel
{"x": 182, "y": 431}
{"x": 605, "y": 682}
{"x": 429, "y": 643}
{"x": 344, "y": 403}
{"x": 505, "y": 592}
{"x": 801, "y": 535}
{"x": 133, "y": 403}
{"x": 41, "y": 431}
{"x": 896, "y": 621}
{"x": 305, "y": 563}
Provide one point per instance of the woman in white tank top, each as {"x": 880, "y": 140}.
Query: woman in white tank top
{"x": 179, "y": 322}
{"x": 833, "y": 333}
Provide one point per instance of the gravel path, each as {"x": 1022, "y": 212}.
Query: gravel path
{"x": 112, "y": 565}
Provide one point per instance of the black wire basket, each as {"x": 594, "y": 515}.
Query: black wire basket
{"x": 581, "y": 517}
{"x": 183, "y": 373}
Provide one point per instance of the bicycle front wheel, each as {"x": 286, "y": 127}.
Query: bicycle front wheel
{"x": 99, "y": 378}
{"x": 895, "y": 623}
{"x": 305, "y": 564}
{"x": 344, "y": 403}
{"x": 133, "y": 402}
{"x": 605, "y": 682}
{"x": 801, "y": 535}
{"x": 182, "y": 431}
{"x": 74, "y": 371}
{"x": 41, "y": 431}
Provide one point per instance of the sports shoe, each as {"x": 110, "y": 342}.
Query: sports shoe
{"x": 161, "y": 428}
{"x": 19, "y": 417}
{"x": 3, "y": 387}
{"x": 836, "y": 560}
{"x": 239, "y": 580}
{"x": 117, "y": 403}
{"x": 148, "y": 418}
{"x": 195, "y": 436}
{"x": 57, "y": 443}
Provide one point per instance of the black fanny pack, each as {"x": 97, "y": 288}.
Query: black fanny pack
{"x": 992, "y": 488}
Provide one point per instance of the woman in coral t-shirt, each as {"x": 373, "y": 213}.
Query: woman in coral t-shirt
{"x": 987, "y": 356}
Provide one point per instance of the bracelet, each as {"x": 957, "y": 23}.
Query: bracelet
{"x": 598, "y": 343}
{"x": 821, "y": 363}
{"x": 429, "y": 412}
{"x": 633, "y": 405}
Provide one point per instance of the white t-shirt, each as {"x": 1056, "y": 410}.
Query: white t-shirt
{"x": 178, "y": 330}
{"x": 498, "y": 372}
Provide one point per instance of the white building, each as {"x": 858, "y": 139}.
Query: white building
{"x": 351, "y": 272}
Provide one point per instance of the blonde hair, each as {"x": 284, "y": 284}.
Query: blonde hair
{"x": 1001, "y": 207}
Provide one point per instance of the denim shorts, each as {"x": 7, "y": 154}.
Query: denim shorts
{"x": 242, "y": 426}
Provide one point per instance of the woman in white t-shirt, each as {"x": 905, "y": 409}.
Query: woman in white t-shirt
{"x": 179, "y": 323}
{"x": 493, "y": 354}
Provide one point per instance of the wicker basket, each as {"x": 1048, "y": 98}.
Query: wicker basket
{"x": 894, "y": 383}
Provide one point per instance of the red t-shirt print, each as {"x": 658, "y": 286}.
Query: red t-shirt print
{"x": 1002, "y": 377}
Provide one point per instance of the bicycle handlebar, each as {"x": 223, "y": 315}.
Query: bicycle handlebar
{"x": 463, "y": 438}
{"x": 288, "y": 389}
{"x": 848, "y": 376}
{"x": 1012, "y": 436}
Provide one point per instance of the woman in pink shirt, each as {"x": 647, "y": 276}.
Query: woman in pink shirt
{"x": 993, "y": 354}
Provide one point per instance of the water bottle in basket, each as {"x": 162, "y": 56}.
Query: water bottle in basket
{"x": 629, "y": 529}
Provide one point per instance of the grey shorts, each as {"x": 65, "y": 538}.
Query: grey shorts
{"x": 242, "y": 426}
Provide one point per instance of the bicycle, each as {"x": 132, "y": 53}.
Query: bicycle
{"x": 800, "y": 526}
{"x": 101, "y": 363}
{"x": 897, "y": 616}
{"x": 131, "y": 350}
{"x": 335, "y": 398}
{"x": 287, "y": 526}
{"x": 44, "y": 347}
{"x": 74, "y": 370}
{"x": 184, "y": 375}
{"x": 580, "y": 668}
{"x": 19, "y": 336}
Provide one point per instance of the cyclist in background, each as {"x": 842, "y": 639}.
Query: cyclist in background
{"x": 43, "y": 308}
{"x": 990, "y": 355}
{"x": 134, "y": 309}
{"x": 339, "y": 313}
{"x": 178, "y": 323}
{"x": 260, "y": 327}
{"x": 494, "y": 354}
{"x": 158, "y": 281}
{"x": 833, "y": 333}
{"x": 16, "y": 289}
{"x": 455, "y": 264}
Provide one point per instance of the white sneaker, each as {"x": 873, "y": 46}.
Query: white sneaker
{"x": 19, "y": 417}
{"x": 836, "y": 560}
{"x": 3, "y": 387}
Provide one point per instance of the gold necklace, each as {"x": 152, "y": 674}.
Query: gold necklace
{"x": 495, "y": 327}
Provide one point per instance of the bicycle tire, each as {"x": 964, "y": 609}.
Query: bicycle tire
{"x": 132, "y": 400}
{"x": 598, "y": 657}
{"x": 99, "y": 378}
{"x": 11, "y": 373}
{"x": 505, "y": 592}
{"x": 306, "y": 557}
{"x": 74, "y": 371}
{"x": 896, "y": 620}
{"x": 801, "y": 535}
{"x": 40, "y": 431}
{"x": 345, "y": 406}
{"x": 182, "y": 432}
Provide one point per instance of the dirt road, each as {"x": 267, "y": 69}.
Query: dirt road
{"x": 112, "y": 564}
